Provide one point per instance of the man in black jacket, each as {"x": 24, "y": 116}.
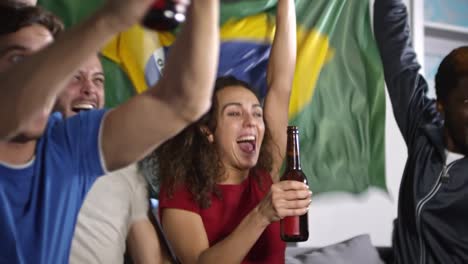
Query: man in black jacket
{"x": 432, "y": 223}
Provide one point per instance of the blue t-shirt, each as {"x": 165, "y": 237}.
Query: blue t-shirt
{"x": 39, "y": 202}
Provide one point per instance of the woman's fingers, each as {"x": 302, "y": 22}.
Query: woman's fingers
{"x": 291, "y": 185}
{"x": 297, "y": 204}
{"x": 290, "y": 198}
{"x": 297, "y": 195}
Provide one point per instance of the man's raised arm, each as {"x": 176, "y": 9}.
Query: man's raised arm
{"x": 183, "y": 94}
{"x": 406, "y": 87}
{"x": 29, "y": 88}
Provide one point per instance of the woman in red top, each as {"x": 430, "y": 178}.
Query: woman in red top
{"x": 221, "y": 197}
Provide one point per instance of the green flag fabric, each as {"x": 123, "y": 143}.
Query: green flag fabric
{"x": 343, "y": 126}
{"x": 338, "y": 99}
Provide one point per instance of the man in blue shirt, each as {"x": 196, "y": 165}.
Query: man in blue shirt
{"x": 117, "y": 204}
{"x": 47, "y": 164}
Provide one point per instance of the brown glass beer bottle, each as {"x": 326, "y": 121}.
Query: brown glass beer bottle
{"x": 164, "y": 15}
{"x": 294, "y": 228}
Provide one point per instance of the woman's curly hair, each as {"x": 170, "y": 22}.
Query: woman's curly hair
{"x": 190, "y": 159}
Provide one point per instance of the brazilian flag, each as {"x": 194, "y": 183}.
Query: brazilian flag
{"x": 338, "y": 98}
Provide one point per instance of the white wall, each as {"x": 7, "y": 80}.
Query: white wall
{"x": 337, "y": 216}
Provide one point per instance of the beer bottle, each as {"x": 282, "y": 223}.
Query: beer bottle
{"x": 294, "y": 228}
{"x": 164, "y": 15}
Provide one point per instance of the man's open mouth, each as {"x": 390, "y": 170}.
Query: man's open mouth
{"x": 82, "y": 107}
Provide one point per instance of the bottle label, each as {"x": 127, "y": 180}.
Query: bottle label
{"x": 158, "y": 4}
{"x": 291, "y": 226}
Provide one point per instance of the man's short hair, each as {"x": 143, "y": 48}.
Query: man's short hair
{"x": 16, "y": 15}
{"x": 452, "y": 68}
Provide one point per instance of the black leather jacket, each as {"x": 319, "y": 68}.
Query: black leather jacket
{"x": 432, "y": 222}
